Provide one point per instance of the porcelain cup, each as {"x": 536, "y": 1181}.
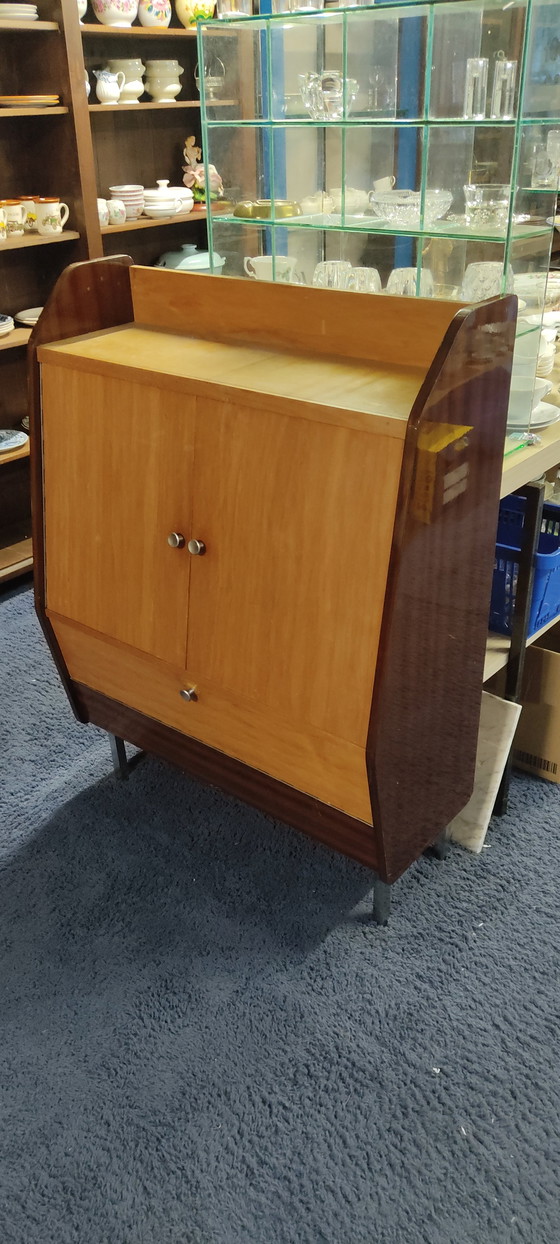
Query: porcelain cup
{"x": 382, "y": 184}
{"x": 16, "y": 215}
{"x": 116, "y": 211}
{"x": 103, "y": 212}
{"x": 261, "y": 267}
{"x": 30, "y": 222}
{"x": 3, "y": 225}
{"x": 51, "y": 216}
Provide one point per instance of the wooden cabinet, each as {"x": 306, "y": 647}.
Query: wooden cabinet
{"x": 318, "y": 650}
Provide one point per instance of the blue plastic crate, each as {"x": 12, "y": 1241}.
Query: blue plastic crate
{"x": 545, "y": 601}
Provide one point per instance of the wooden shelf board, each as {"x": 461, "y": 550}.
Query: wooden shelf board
{"x": 67, "y": 235}
{"x": 19, "y": 337}
{"x": 15, "y": 559}
{"x": 497, "y": 649}
{"x": 176, "y": 103}
{"x": 139, "y": 32}
{"x": 13, "y": 454}
{"x": 6, "y": 113}
{"x": 8, "y": 24}
{"x": 146, "y": 222}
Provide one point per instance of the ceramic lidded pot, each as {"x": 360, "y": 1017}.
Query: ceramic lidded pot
{"x": 191, "y": 11}
{"x": 115, "y": 12}
{"x": 154, "y": 12}
{"x": 162, "y": 80}
{"x": 189, "y": 259}
{"x": 133, "y": 71}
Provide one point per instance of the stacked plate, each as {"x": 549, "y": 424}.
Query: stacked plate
{"x": 18, "y": 12}
{"x": 29, "y": 101}
{"x": 6, "y": 325}
{"x": 132, "y": 197}
{"x": 29, "y": 316}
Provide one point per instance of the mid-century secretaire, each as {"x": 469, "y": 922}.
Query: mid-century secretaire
{"x": 264, "y": 534}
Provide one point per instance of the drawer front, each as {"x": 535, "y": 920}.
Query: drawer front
{"x": 330, "y": 769}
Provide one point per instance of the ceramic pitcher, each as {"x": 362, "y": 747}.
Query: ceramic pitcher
{"x": 109, "y": 86}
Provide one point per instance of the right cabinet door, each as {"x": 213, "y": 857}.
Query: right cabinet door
{"x": 285, "y": 605}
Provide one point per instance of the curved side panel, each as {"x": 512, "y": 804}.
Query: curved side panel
{"x": 87, "y": 297}
{"x": 423, "y": 729}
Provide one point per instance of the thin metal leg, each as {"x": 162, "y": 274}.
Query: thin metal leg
{"x": 440, "y": 848}
{"x": 120, "y": 762}
{"x": 381, "y": 901}
{"x": 534, "y": 497}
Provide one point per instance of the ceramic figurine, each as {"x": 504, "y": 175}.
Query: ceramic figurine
{"x": 195, "y": 176}
{"x": 154, "y": 12}
{"x": 109, "y": 86}
{"x": 115, "y": 12}
{"x": 191, "y": 11}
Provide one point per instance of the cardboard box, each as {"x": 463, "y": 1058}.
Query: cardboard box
{"x": 536, "y": 746}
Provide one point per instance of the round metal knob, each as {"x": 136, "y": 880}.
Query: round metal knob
{"x": 196, "y": 547}
{"x": 189, "y": 694}
{"x": 175, "y": 539}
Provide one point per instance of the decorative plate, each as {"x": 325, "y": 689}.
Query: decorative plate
{"x": 10, "y": 439}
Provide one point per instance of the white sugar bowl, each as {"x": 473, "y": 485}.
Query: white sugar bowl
{"x": 133, "y": 71}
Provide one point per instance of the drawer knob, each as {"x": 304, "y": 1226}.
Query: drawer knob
{"x": 188, "y": 694}
{"x": 175, "y": 539}
{"x": 196, "y": 547}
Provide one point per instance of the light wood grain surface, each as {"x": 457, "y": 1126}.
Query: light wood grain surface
{"x": 118, "y": 478}
{"x": 313, "y": 321}
{"x": 329, "y": 769}
{"x": 297, "y": 519}
{"x": 334, "y": 390}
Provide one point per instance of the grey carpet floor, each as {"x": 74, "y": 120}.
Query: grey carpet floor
{"x": 204, "y": 1041}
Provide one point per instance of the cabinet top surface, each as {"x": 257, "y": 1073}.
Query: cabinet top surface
{"x": 150, "y": 354}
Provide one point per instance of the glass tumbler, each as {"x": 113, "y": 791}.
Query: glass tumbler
{"x": 364, "y": 281}
{"x": 486, "y": 206}
{"x": 234, "y": 8}
{"x": 332, "y": 274}
{"x": 296, "y": 6}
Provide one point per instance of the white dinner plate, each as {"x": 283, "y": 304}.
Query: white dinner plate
{"x": 29, "y": 316}
{"x": 10, "y": 439}
{"x": 543, "y": 414}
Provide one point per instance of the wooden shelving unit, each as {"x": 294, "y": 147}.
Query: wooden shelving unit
{"x": 137, "y": 32}
{"x": 38, "y": 155}
{"x": 145, "y": 222}
{"x": 31, "y": 27}
{"x": 181, "y": 103}
{"x": 19, "y": 337}
{"x": 35, "y": 239}
{"x": 7, "y": 114}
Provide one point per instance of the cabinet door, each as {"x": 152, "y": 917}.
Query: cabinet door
{"x": 118, "y": 477}
{"x": 297, "y": 519}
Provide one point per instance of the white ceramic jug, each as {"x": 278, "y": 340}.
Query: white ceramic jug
{"x": 109, "y": 86}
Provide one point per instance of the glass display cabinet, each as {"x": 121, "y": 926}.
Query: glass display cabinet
{"x": 412, "y": 148}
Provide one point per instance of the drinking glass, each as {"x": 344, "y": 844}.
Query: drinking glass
{"x": 402, "y": 281}
{"x": 332, "y": 274}
{"x": 503, "y": 89}
{"x": 364, "y": 281}
{"x": 234, "y": 8}
{"x": 486, "y": 206}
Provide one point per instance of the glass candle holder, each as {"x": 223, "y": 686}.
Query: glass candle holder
{"x": 476, "y": 83}
{"x": 502, "y": 107}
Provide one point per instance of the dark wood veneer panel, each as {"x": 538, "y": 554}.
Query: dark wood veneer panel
{"x": 426, "y": 702}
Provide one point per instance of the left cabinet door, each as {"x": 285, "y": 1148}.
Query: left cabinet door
{"x": 118, "y": 462}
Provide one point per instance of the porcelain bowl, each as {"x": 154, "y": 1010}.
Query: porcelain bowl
{"x": 402, "y": 207}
